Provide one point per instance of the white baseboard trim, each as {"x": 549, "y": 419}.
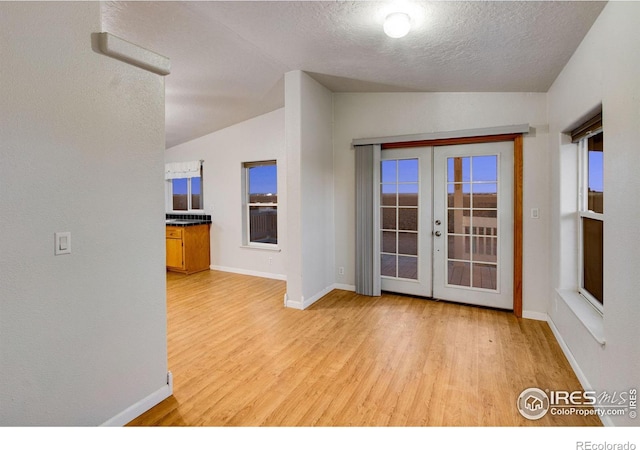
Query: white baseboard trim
{"x": 253, "y": 273}
{"x": 310, "y": 301}
{"x": 305, "y": 303}
{"x": 345, "y": 287}
{"x": 582, "y": 378}
{"x": 142, "y": 406}
{"x": 288, "y": 303}
{"x": 535, "y": 315}
{"x": 567, "y": 352}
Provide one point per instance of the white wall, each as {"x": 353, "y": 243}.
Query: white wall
{"x": 605, "y": 69}
{"x": 223, "y": 152}
{"x": 310, "y": 263}
{"x": 390, "y": 114}
{"x": 82, "y": 336}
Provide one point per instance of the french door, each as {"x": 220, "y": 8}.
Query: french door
{"x": 405, "y": 242}
{"x": 447, "y": 223}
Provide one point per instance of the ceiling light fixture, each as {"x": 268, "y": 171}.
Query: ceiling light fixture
{"x": 397, "y": 25}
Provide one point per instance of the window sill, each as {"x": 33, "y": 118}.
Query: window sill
{"x": 590, "y": 318}
{"x": 270, "y": 248}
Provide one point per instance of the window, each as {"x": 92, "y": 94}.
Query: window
{"x": 186, "y": 193}
{"x": 590, "y": 139}
{"x": 184, "y": 186}
{"x": 261, "y": 203}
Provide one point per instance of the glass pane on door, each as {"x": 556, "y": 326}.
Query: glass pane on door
{"x": 399, "y": 208}
{"x": 472, "y": 221}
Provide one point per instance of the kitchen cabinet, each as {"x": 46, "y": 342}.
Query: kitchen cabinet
{"x": 188, "y": 248}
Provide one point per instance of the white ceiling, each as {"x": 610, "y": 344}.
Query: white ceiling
{"x": 228, "y": 58}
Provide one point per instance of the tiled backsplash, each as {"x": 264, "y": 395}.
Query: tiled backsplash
{"x": 188, "y": 216}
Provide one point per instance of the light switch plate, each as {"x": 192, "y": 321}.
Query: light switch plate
{"x": 62, "y": 243}
{"x": 535, "y": 213}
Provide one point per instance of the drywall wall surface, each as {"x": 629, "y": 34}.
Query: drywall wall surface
{"x": 392, "y": 114}
{"x": 223, "y": 153}
{"x": 310, "y": 186}
{"x": 82, "y": 335}
{"x": 604, "y": 70}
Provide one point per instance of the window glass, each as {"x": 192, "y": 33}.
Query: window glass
{"x": 389, "y": 171}
{"x": 485, "y": 168}
{"x": 196, "y": 193}
{"x": 264, "y": 224}
{"x": 408, "y": 194}
{"x": 262, "y": 202}
{"x": 591, "y": 217}
{"x": 472, "y": 221}
{"x": 180, "y": 194}
{"x": 458, "y": 169}
{"x": 408, "y": 171}
{"x": 263, "y": 184}
{"x": 590, "y": 139}
{"x": 186, "y": 194}
{"x": 595, "y": 174}
{"x": 399, "y": 189}
{"x": 592, "y": 257}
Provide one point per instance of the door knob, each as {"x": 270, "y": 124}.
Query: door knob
{"x": 438, "y": 234}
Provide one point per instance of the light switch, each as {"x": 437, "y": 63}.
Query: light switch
{"x": 535, "y": 213}
{"x": 62, "y": 243}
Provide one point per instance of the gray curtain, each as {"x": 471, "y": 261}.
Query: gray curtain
{"x": 368, "y": 219}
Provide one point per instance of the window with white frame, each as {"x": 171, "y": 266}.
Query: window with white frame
{"x": 185, "y": 186}
{"x": 261, "y": 203}
{"x": 590, "y": 140}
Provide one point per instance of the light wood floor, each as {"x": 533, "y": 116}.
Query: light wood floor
{"x": 239, "y": 358}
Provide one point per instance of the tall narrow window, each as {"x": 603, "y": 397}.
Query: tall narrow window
{"x": 261, "y": 203}
{"x": 590, "y": 139}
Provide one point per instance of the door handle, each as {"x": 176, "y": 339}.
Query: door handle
{"x": 438, "y": 234}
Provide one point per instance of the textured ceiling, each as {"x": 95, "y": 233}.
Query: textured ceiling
{"x": 228, "y": 58}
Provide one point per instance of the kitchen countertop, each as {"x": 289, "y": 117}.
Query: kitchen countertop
{"x": 186, "y": 220}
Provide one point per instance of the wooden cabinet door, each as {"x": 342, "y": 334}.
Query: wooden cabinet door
{"x": 175, "y": 256}
{"x": 196, "y": 248}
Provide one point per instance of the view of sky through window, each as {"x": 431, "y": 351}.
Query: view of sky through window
{"x": 179, "y": 186}
{"x": 195, "y": 185}
{"x": 263, "y": 179}
{"x": 595, "y": 171}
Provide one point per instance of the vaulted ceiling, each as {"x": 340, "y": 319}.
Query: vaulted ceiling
{"x": 229, "y": 58}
